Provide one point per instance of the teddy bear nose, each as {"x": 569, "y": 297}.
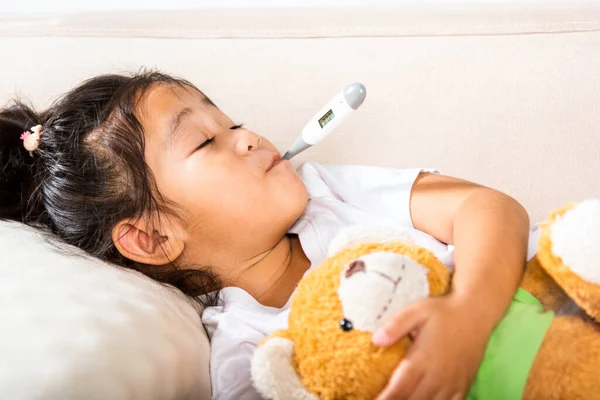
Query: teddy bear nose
{"x": 346, "y": 325}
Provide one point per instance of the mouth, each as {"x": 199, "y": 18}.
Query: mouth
{"x": 276, "y": 159}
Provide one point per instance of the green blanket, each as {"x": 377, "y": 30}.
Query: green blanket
{"x": 511, "y": 350}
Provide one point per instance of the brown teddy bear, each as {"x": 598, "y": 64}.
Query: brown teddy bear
{"x": 326, "y": 352}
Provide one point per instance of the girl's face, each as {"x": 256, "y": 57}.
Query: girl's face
{"x": 234, "y": 196}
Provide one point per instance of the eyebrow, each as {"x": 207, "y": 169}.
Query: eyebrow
{"x": 174, "y": 132}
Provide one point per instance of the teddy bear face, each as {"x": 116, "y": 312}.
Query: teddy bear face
{"x": 362, "y": 285}
{"x": 378, "y": 285}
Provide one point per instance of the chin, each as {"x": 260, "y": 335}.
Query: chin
{"x": 289, "y": 199}
{"x": 295, "y": 203}
{"x": 301, "y": 203}
{"x": 302, "y": 195}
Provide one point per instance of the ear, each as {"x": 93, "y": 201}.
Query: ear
{"x": 273, "y": 374}
{"x": 138, "y": 240}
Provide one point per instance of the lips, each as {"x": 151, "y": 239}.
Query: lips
{"x": 275, "y": 159}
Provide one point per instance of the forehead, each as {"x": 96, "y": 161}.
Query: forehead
{"x": 163, "y": 99}
{"x": 161, "y": 104}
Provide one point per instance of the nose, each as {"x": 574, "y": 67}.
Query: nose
{"x": 246, "y": 141}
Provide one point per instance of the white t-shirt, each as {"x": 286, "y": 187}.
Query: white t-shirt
{"x": 339, "y": 196}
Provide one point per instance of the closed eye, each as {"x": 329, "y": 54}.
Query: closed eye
{"x": 212, "y": 139}
{"x": 205, "y": 143}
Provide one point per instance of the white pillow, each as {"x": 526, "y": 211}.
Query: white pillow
{"x": 75, "y": 328}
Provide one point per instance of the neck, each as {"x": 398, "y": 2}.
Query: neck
{"x": 272, "y": 279}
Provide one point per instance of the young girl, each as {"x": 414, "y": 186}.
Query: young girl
{"x": 146, "y": 172}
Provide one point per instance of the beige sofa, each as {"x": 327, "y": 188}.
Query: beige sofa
{"x": 504, "y": 95}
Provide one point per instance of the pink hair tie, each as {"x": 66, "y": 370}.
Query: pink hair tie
{"x": 31, "y": 140}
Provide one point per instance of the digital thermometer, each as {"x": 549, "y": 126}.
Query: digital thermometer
{"x": 328, "y": 118}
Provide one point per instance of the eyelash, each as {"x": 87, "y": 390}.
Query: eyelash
{"x": 212, "y": 139}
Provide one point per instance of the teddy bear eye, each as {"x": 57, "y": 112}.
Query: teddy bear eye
{"x": 346, "y": 325}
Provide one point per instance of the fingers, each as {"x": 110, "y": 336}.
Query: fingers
{"x": 426, "y": 390}
{"x": 401, "y": 324}
{"x": 448, "y": 395}
{"x": 403, "y": 382}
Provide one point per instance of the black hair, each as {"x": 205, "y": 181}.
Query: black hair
{"x": 89, "y": 172}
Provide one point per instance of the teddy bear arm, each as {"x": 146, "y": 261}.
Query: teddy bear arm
{"x": 537, "y": 282}
{"x": 567, "y": 363}
{"x": 273, "y": 373}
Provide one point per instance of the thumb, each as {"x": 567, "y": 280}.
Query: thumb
{"x": 404, "y": 322}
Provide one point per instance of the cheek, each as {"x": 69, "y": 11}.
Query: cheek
{"x": 226, "y": 193}
{"x": 226, "y": 197}
{"x": 258, "y": 202}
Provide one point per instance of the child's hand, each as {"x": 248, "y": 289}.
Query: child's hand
{"x": 444, "y": 359}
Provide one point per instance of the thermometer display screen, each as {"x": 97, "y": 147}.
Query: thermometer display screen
{"x": 324, "y": 120}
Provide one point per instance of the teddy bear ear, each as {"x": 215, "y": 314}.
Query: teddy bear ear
{"x": 574, "y": 234}
{"x": 273, "y": 374}
{"x": 360, "y": 234}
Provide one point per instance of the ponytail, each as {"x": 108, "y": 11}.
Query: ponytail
{"x": 17, "y": 165}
